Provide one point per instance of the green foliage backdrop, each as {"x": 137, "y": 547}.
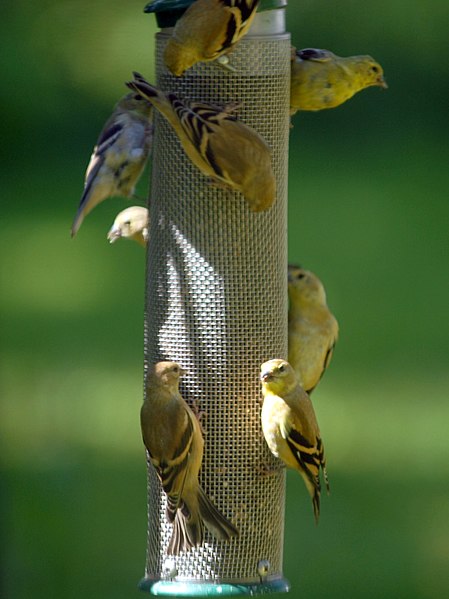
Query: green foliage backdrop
{"x": 368, "y": 213}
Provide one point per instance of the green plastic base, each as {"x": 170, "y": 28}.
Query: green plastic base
{"x": 171, "y": 588}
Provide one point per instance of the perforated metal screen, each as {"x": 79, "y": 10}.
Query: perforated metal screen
{"x": 217, "y": 304}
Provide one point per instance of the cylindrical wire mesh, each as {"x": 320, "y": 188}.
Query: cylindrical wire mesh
{"x": 217, "y": 304}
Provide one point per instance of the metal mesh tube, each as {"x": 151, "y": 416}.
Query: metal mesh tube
{"x": 217, "y": 304}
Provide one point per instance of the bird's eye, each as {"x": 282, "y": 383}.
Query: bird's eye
{"x": 127, "y": 223}
{"x": 281, "y": 368}
{"x": 138, "y": 97}
{"x": 175, "y": 369}
{"x": 300, "y": 275}
{"x": 375, "y": 69}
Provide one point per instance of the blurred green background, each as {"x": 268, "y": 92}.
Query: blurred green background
{"x": 368, "y": 213}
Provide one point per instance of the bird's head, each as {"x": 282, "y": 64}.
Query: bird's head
{"x": 129, "y": 223}
{"x": 135, "y": 102}
{"x": 178, "y": 58}
{"x": 166, "y": 374}
{"x": 304, "y": 287}
{"x": 372, "y": 72}
{"x": 277, "y": 376}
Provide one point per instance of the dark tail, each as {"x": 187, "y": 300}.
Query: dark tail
{"x": 141, "y": 86}
{"x": 187, "y": 532}
{"x": 218, "y": 525}
{"x": 188, "y": 529}
{"x": 316, "y": 504}
{"x": 79, "y": 217}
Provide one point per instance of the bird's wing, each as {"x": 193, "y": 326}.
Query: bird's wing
{"x": 328, "y": 357}
{"x": 107, "y": 138}
{"x": 315, "y": 54}
{"x": 244, "y": 9}
{"x": 306, "y": 452}
{"x": 240, "y": 16}
{"x": 200, "y": 122}
{"x": 173, "y": 471}
{"x": 194, "y": 124}
{"x": 326, "y": 362}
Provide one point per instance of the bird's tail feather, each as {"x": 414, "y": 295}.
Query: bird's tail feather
{"x": 80, "y": 214}
{"x": 187, "y": 532}
{"x": 326, "y": 479}
{"x": 218, "y": 525}
{"x": 153, "y": 95}
{"x": 314, "y": 488}
{"x": 188, "y": 523}
{"x": 316, "y": 504}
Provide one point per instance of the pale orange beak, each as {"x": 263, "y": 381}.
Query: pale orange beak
{"x": 114, "y": 234}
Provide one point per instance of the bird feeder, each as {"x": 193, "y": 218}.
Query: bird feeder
{"x": 216, "y": 302}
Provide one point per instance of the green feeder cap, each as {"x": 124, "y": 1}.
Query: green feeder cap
{"x": 168, "y": 11}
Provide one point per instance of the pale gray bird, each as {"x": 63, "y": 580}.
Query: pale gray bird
{"x": 119, "y": 156}
{"x": 131, "y": 223}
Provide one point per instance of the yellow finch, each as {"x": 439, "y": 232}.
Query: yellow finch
{"x": 312, "y": 328}
{"x": 290, "y": 427}
{"x": 321, "y": 79}
{"x": 207, "y": 30}
{"x": 172, "y": 435}
{"x": 131, "y": 223}
{"x": 222, "y": 147}
{"x": 119, "y": 156}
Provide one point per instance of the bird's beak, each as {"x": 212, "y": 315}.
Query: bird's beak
{"x": 114, "y": 234}
{"x": 382, "y": 83}
{"x": 265, "y": 377}
{"x": 182, "y": 372}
